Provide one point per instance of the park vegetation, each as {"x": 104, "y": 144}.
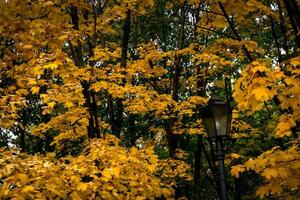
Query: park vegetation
{"x": 100, "y": 99}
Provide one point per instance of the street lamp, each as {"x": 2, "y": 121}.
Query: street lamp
{"x": 217, "y": 119}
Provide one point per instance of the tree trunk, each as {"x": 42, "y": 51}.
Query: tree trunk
{"x": 22, "y": 137}
{"x": 125, "y": 41}
{"x": 171, "y": 137}
{"x": 294, "y": 16}
{"x": 197, "y": 158}
{"x": 176, "y": 73}
{"x": 111, "y": 114}
{"x": 201, "y": 84}
{"x": 282, "y": 28}
{"x": 93, "y": 127}
{"x": 88, "y": 104}
{"x": 231, "y": 24}
{"x": 132, "y": 131}
{"x": 95, "y": 114}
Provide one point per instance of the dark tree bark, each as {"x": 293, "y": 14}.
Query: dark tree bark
{"x": 132, "y": 129}
{"x": 199, "y": 144}
{"x": 282, "y": 28}
{"x": 22, "y": 138}
{"x": 197, "y": 167}
{"x": 177, "y": 69}
{"x": 125, "y": 42}
{"x": 95, "y": 114}
{"x": 171, "y": 137}
{"x": 294, "y": 16}
{"x": 235, "y": 32}
{"x": 88, "y": 104}
{"x": 76, "y": 52}
{"x": 111, "y": 114}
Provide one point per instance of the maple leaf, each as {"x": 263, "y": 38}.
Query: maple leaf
{"x": 48, "y": 3}
{"x": 276, "y": 188}
{"x": 235, "y": 155}
{"x": 32, "y": 82}
{"x": 270, "y": 173}
{"x": 52, "y": 66}
{"x": 293, "y": 182}
{"x": 262, "y": 191}
{"x": 236, "y": 170}
{"x": 261, "y": 94}
{"x": 27, "y": 188}
{"x": 140, "y": 198}
{"x": 258, "y": 67}
{"x": 284, "y": 126}
{"x": 250, "y": 164}
{"x": 27, "y": 46}
{"x": 295, "y": 61}
{"x": 63, "y": 37}
{"x": 82, "y": 186}
{"x": 116, "y": 171}
{"x": 51, "y": 104}
{"x": 35, "y": 89}
{"x": 107, "y": 174}
{"x": 69, "y": 104}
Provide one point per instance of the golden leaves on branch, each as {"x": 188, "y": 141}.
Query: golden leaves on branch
{"x": 257, "y": 85}
{"x": 236, "y": 170}
{"x": 286, "y": 122}
{"x": 279, "y": 168}
{"x": 123, "y": 174}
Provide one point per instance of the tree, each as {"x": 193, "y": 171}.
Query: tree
{"x": 92, "y": 88}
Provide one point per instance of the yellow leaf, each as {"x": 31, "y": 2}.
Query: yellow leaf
{"x": 69, "y": 104}
{"x": 51, "y": 104}
{"x": 258, "y": 67}
{"x": 48, "y": 3}
{"x": 27, "y": 46}
{"x": 32, "y": 82}
{"x": 261, "y": 94}
{"x": 284, "y": 126}
{"x": 235, "y": 170}
{"x": 23, "y": 178}
{"x": 58, "y": 62}
{"x": 84, "y": 122}
{"x": 38, "y": 70}
{"x": 106, "y": 174}
{"x": 250, "y": 164}
{"x": 116, "y": 171}
{"x": 270, "y": 173}
{"x": 293, "y": 182}
{"x": 63, "y": 37}
{"x": 27, "y": 188}
{"x": 51, "y": 66}
{"x": 51, "y": 188}
{"x": 262, "y": 191}
{"x": 35, "y": 90}
{"x": 276, "y": 188}
{"x": 82, "y": 186}
{"x": 295, "y": 61}
{"x": 73, "y": 119}
{"x": 235, "y": 155}
{"x": 140, "y": 198}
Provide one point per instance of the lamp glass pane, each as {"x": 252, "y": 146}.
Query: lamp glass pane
{"x": 220, "y": 113}
{"x": 229, "y": 123}
{"x": 209, "y": 126}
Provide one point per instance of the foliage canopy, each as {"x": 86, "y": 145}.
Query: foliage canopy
{"x": 100, "y": 98}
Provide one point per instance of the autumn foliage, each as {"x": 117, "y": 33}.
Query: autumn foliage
{"x": 99, "y": 99}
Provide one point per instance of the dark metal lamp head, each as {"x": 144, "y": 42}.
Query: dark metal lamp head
{"x": 217, "y": 117}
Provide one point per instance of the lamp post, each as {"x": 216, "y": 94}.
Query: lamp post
{"x": 217, "y": 119}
